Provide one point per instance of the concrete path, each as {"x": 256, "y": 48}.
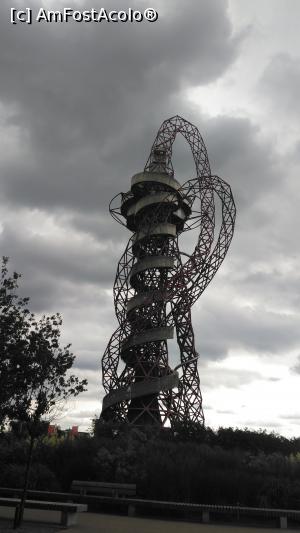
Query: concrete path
{"x": 46, "y": 522}
{"x": 34, "y": 521}
{"x": 104, "y": 523}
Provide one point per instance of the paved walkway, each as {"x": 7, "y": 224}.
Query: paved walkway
{"x": 104, "y": 523}
{"x": 34, "y": 521}
{"x": 44, "y": 522}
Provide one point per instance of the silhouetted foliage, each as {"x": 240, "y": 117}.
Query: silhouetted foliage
{"x": 169, "y": 466}
{"x": 33, "y": 365}
{"x": 33, "y": 370}
{"x": 14, "y": 323}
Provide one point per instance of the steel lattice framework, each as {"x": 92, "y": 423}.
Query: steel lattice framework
{"x": 156, "y": 284}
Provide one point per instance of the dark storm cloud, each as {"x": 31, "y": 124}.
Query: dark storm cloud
{"x": 100, "y": 227}
{"x": 255, "y": 330}
{"x": 85, "y": 90}
{"x": 93, "y": 264}
{"x": 61, "y": 258}
{"x": 84, "y": 103}
{"x": 238, "y": 153}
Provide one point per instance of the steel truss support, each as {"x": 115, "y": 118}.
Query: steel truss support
{"x": 154, "y": 289}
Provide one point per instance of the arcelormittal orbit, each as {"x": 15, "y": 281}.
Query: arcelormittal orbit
{"x": 156, "y": 284}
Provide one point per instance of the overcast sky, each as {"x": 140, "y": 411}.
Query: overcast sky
{"x": 80, "y": 105}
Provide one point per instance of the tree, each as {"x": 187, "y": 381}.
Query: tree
{"x": 33, "y": 366}
{"x": 14, "y": 323}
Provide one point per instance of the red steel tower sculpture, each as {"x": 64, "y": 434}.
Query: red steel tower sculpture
{"x": 156, "y": 284}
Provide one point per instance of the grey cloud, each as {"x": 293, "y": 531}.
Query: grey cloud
{"x": 280, "y": 84}
{"x": 241, "y": 157}
{"x": 63, "y": 260}
{"x": 84, "y": 414}
{"x": 260, "y": 424}
{"x": 254, "y": 330}
{"x": 295, "y": 416}
{"x": 82, "y": 91}
{"x": 213, "y": 377}
{"x": 89, "y": 361}
{"x": 295, "y": 154}
{"x": 273, "y": 287}
{"x": 296, "y": 368}
{"x": 93, "y": 379}
{"x": 101, "y": 227}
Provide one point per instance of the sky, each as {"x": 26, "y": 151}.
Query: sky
{"x": 80, "y": 105}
